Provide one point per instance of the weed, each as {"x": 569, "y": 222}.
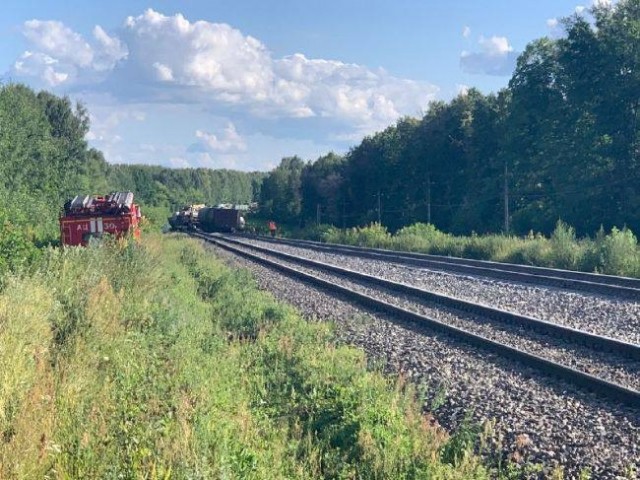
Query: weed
{"x": 616, "y": 253}
{"x": 155, "y": 361}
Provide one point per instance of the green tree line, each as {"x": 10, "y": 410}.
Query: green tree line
{"x": 561, "y": 141}
{"x": 45, "y": 160}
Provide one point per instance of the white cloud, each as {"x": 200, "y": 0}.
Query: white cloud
{"x": 43, "y": 66}
{"x": 63, "y": 56}
{"x": 163, "y": 72}
{"x": 105, "y": 124}
{"x": 580, "y": 9}
{"x": 59, "y": 41}
{"x": 210, "y": 74}
{"x": 165, "y": 141}
{"x": 329, "y": 88}
{"x": 148, "y": 147}
{"x": 210, "y": 56}
{"x": 556, "y": 29}
{"x": 110, "y": 50}
{"x": 206, "y": 160}
{"x": 219, "y": 62}
{"x": 495, "y": 45}
{"x": 179, "y": 162}
{"x": 54, "y": 78}
{"x": 462, "y": 89}
{"x": 228, "y": 141}
{"x": 497, "y": 57}
{"x": 170, "y": 59}
{"x": 466, "y": 31}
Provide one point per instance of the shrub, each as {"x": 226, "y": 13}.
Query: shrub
{"x": 424, "y": 231}
{"x": 426, "y": 238}
{"x": 618, "y": 253}
{"x": 534, "y": 249}
{"x": 565, "y": 250}
{"x": 155, "y": 378}
{"x": 410, "y": 243}
{"x": 154, "y": 218}
{"x": 314, "y": 232}
{"x": 374, "y": 235}
{"x": 490, "y": 247}
{"x": 17, "y": 249}
{"x": 334, "y": 235}
{"x": 25, "y": 336}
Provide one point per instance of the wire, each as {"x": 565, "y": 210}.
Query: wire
{"x": 576, "y": 191}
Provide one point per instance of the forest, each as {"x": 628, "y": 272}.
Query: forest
{"x": 560, "y": 142}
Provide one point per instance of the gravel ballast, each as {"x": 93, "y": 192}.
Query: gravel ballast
{"x": 602, "y": 364}
{"x": 615, "y": 318}
{"x": 536, "y": 418}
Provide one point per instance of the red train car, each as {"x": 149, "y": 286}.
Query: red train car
{"x": 87, "y": 216}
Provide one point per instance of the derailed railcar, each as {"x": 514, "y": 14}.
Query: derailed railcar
{"x": 185, "y": 219}
{"x": 220, "y": 219}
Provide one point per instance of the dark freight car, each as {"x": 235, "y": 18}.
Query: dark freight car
{"x": 217, "y": 219}
{"x": 185, "y": 219}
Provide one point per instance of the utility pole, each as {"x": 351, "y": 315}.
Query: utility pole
{"x": 379, "y": 210}
{"x": 343, "y": 217}
{"x": 317, "y": 214}
{"x": 429, "y": 197}
{"x": 506, "y": 198}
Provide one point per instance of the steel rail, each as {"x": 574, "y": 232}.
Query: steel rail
{"x": 588, "y": 339}
{"x": 614, "y": 391}
{"x": 622, "y": 287}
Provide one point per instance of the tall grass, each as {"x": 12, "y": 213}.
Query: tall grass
{"x": 155, "y": 361}
{"x": 614, "y": 253}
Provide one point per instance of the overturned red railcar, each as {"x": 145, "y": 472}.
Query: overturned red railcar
{"x": 86, "y": 216}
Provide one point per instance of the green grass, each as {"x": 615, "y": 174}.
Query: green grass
{"x": 614, "y": 253}
{"x": 156, "y": 361}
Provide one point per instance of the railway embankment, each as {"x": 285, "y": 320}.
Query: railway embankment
{"x": 156, "y": 361}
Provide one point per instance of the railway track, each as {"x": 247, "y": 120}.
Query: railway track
{"x": 383, "y": 295}
{"x": 620, "y": 287}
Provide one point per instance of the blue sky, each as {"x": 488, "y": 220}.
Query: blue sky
{"x": 240, "y": 84}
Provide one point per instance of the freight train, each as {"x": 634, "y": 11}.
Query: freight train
{"x": 223, "y": 218}
{"x": 91, "y": 216}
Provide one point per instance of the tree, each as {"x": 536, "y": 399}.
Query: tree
{"x": 281, "y": 195}
{"x": 321, "y": 188}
